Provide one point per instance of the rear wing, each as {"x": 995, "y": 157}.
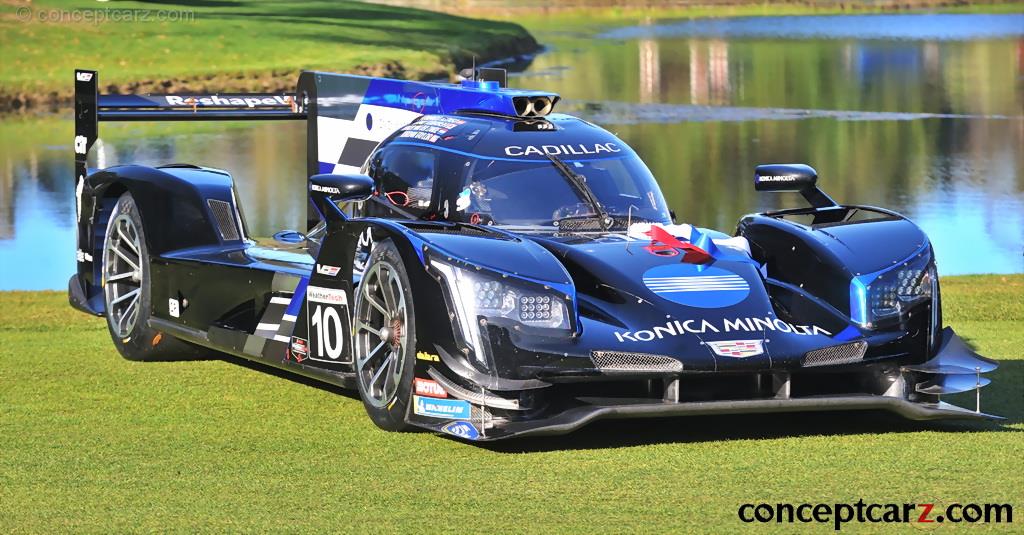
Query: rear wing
{"x": 91, "y": 108}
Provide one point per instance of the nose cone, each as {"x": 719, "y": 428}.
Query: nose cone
{"x": 716, "y": 316}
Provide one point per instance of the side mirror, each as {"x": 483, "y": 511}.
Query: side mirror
{"x": 325, "y": 190}
{"x": 794, "y": 177}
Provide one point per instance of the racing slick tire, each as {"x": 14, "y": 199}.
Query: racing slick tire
{"x": 126, "y": 290}
{"x": 385, "y": 338}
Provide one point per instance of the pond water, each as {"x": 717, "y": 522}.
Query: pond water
{"x": 923, "y": 114}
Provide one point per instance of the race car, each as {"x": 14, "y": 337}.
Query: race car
{"x": 478, "y": 265}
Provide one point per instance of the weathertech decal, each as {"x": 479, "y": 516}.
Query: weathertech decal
{"x": 331, "y": 296}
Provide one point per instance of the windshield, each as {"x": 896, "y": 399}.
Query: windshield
{"x": 535, "y": 193}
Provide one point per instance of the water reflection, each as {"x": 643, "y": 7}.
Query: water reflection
{"x": 930, "y": 124}
{"x": 931, "y": 127}
{"x": 37, "y": 197}
{"x": 890, "y": 27}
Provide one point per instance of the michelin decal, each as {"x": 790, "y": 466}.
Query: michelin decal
{"x": 453, "y": 409}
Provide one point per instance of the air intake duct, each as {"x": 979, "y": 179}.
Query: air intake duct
{"x": 538, "y": 106}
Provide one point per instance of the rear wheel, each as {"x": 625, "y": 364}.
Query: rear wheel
{"x": 126, "y": 289}
{"x": 385, "y": 338}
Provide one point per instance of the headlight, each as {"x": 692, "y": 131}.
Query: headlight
{"x": 479, "y": 297}
{"x": 493, "y": 296}
{"x": 888, "y": 294}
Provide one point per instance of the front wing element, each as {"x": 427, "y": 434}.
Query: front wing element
{"x": 606, "y": 408}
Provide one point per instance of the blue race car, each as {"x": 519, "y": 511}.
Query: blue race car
{"x": 478, "y": 265}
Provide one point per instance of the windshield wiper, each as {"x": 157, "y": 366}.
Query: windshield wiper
{"x": 580, "y": 183}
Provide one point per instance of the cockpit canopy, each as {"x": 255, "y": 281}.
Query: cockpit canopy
{"x": 559, "y": 172}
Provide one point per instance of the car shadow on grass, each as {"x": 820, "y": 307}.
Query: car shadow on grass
{"x": 697, "y": 429}
{"x": 1004, "y": 397}
{"x": 260, "y": 367}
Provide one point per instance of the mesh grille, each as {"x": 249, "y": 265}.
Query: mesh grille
{"x": 615, "y": 361}
{"x": 583, "y": 224}
{"x": 454, "y": 229}
{"x": 225, "y": 219}
{"x": 841, "y": 354}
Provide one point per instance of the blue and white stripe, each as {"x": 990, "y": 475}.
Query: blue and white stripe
{"x": 697, "y": 283}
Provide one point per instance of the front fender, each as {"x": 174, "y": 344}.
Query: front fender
{"x": 824, "y": 256}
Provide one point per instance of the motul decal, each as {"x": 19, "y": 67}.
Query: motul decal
{"x": 426, "y": 387}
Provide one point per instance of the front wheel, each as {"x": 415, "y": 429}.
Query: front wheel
{"x": 385, "y": 338}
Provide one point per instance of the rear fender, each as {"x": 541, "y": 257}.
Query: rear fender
{"x": 180, "y": 206}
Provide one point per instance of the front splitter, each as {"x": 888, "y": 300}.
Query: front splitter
{"x": 611, "y": 408}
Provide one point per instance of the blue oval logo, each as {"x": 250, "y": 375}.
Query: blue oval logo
{"x": 692, "y": 286}
{"x": 462, "y": 430}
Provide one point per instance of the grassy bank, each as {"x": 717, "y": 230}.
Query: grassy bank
{"x": 94, "y": 443}
{"x": 231, "y": 46}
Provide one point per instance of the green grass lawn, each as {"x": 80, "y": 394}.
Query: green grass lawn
{"x": 225, "y": 45}
{"x": 91, "y": 442}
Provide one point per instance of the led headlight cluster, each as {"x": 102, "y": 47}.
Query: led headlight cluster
{"x": 889, "y": 296}
{"x": 489, "y": 295}
{"x": 540, "y": 308}
{"x": 481, "y": 296}
{"x": 502, "y": 299}
{"x": 886, "y": 295}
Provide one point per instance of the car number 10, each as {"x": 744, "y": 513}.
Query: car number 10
{"x": 329, "y": 332}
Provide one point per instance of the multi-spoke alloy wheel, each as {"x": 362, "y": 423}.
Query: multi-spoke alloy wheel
{"x": 381, "y": 334}
{"x": 385, "y": 338}
{"x": 126, "y": 290}
{"x": 122, "y": 275}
